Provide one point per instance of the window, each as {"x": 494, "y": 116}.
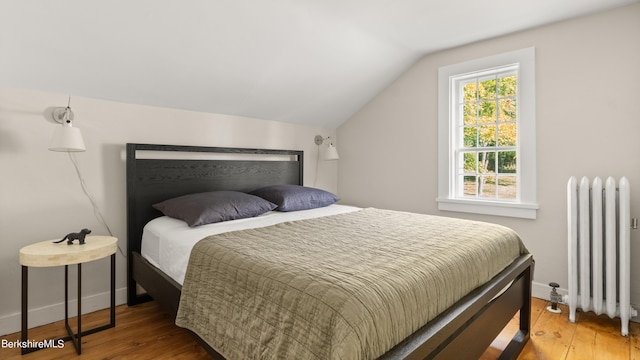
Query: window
{"x": 486, "y": 135}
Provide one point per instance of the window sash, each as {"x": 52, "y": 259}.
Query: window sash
{"x": 459, "y": 175}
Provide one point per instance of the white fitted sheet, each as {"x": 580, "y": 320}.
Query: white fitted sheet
{"x": 167, "y": 242}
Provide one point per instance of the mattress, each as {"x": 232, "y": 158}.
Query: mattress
{"x": 167, "y": 242}
{"x": 347, "y": 286}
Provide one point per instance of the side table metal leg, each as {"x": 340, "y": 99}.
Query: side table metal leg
{"x": 25, "y": 288}
{"x": 75, "y": 338}
{"x": 113, "y": 290}
{"x": 79, "y": 308}
{"x": 66, "y": 296}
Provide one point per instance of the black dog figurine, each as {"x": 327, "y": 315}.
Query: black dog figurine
{"x": 75, "y": 236}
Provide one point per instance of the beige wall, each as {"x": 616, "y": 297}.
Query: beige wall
{"x": 41, "y": 199}
{"x": 588, "y": 123}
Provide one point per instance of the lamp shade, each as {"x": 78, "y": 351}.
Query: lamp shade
{"x": 331, "y": 153}
{"x": 67, "y": 138}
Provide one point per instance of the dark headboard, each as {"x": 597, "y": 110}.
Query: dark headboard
{"x": 160, "y": 172}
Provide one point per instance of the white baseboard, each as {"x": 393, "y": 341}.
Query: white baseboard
{"x": 51, "y": 313}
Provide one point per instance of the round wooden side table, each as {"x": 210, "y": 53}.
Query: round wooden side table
{"x": 46, "y": 254}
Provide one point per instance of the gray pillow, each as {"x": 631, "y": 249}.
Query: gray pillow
{"x": 215, "y": 206}
{"x": 295, "y": 197}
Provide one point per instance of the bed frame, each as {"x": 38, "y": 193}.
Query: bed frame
{"x": 464, "y": 331}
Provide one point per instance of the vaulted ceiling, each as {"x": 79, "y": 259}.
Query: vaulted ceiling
{"x": 313, "y": 62}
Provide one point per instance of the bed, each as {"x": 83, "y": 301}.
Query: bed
{"x": 159, "y": 172}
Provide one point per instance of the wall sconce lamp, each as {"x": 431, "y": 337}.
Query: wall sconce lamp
{"x": 65, "y": 137}
{"x": 330, "y": 152}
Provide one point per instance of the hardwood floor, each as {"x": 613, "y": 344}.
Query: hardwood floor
{"x": 141, "y": 332}
{"x": 553, "y": 337}
{"x": 144, "y": 332}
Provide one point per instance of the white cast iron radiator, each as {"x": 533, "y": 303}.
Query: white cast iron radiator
{"x": 599, "y": 251}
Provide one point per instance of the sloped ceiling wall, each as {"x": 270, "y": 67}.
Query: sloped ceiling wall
{"x": 314, "y": 62}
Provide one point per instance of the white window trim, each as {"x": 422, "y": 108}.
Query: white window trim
{"x": 526, "y": 206}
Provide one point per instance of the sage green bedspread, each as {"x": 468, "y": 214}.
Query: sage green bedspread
{"x": 348, "y": 286}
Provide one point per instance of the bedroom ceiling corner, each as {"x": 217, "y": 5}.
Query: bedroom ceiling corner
{"x": 308, "y": 62}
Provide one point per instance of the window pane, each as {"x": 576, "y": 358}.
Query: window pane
{"x": 487, "y": 112}
{"x": 486, "y": 162}
{"x": 469, "y": 91}
{"x": 507, "y": 110}
{"x": 487, "y": 187}
{"x": 470, "y": 163}
{"x": 507, "y": 86}
{"x": 470, "y": 185}
{"x": 487, "y": 88}
{"x": 507, "y": 187}
{"x": 469, "y": 111}
{"x": 487, "y": 135}
{"x": 470, "y": 136}
{"x": 507, "y": 162}
{"x": 507, "y": 134}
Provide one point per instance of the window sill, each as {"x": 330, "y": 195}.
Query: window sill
{"x": 518, "y": 210}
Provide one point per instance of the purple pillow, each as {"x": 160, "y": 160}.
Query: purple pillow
{"x": 295, "y": 197}
{"x": 215, "y": 206}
